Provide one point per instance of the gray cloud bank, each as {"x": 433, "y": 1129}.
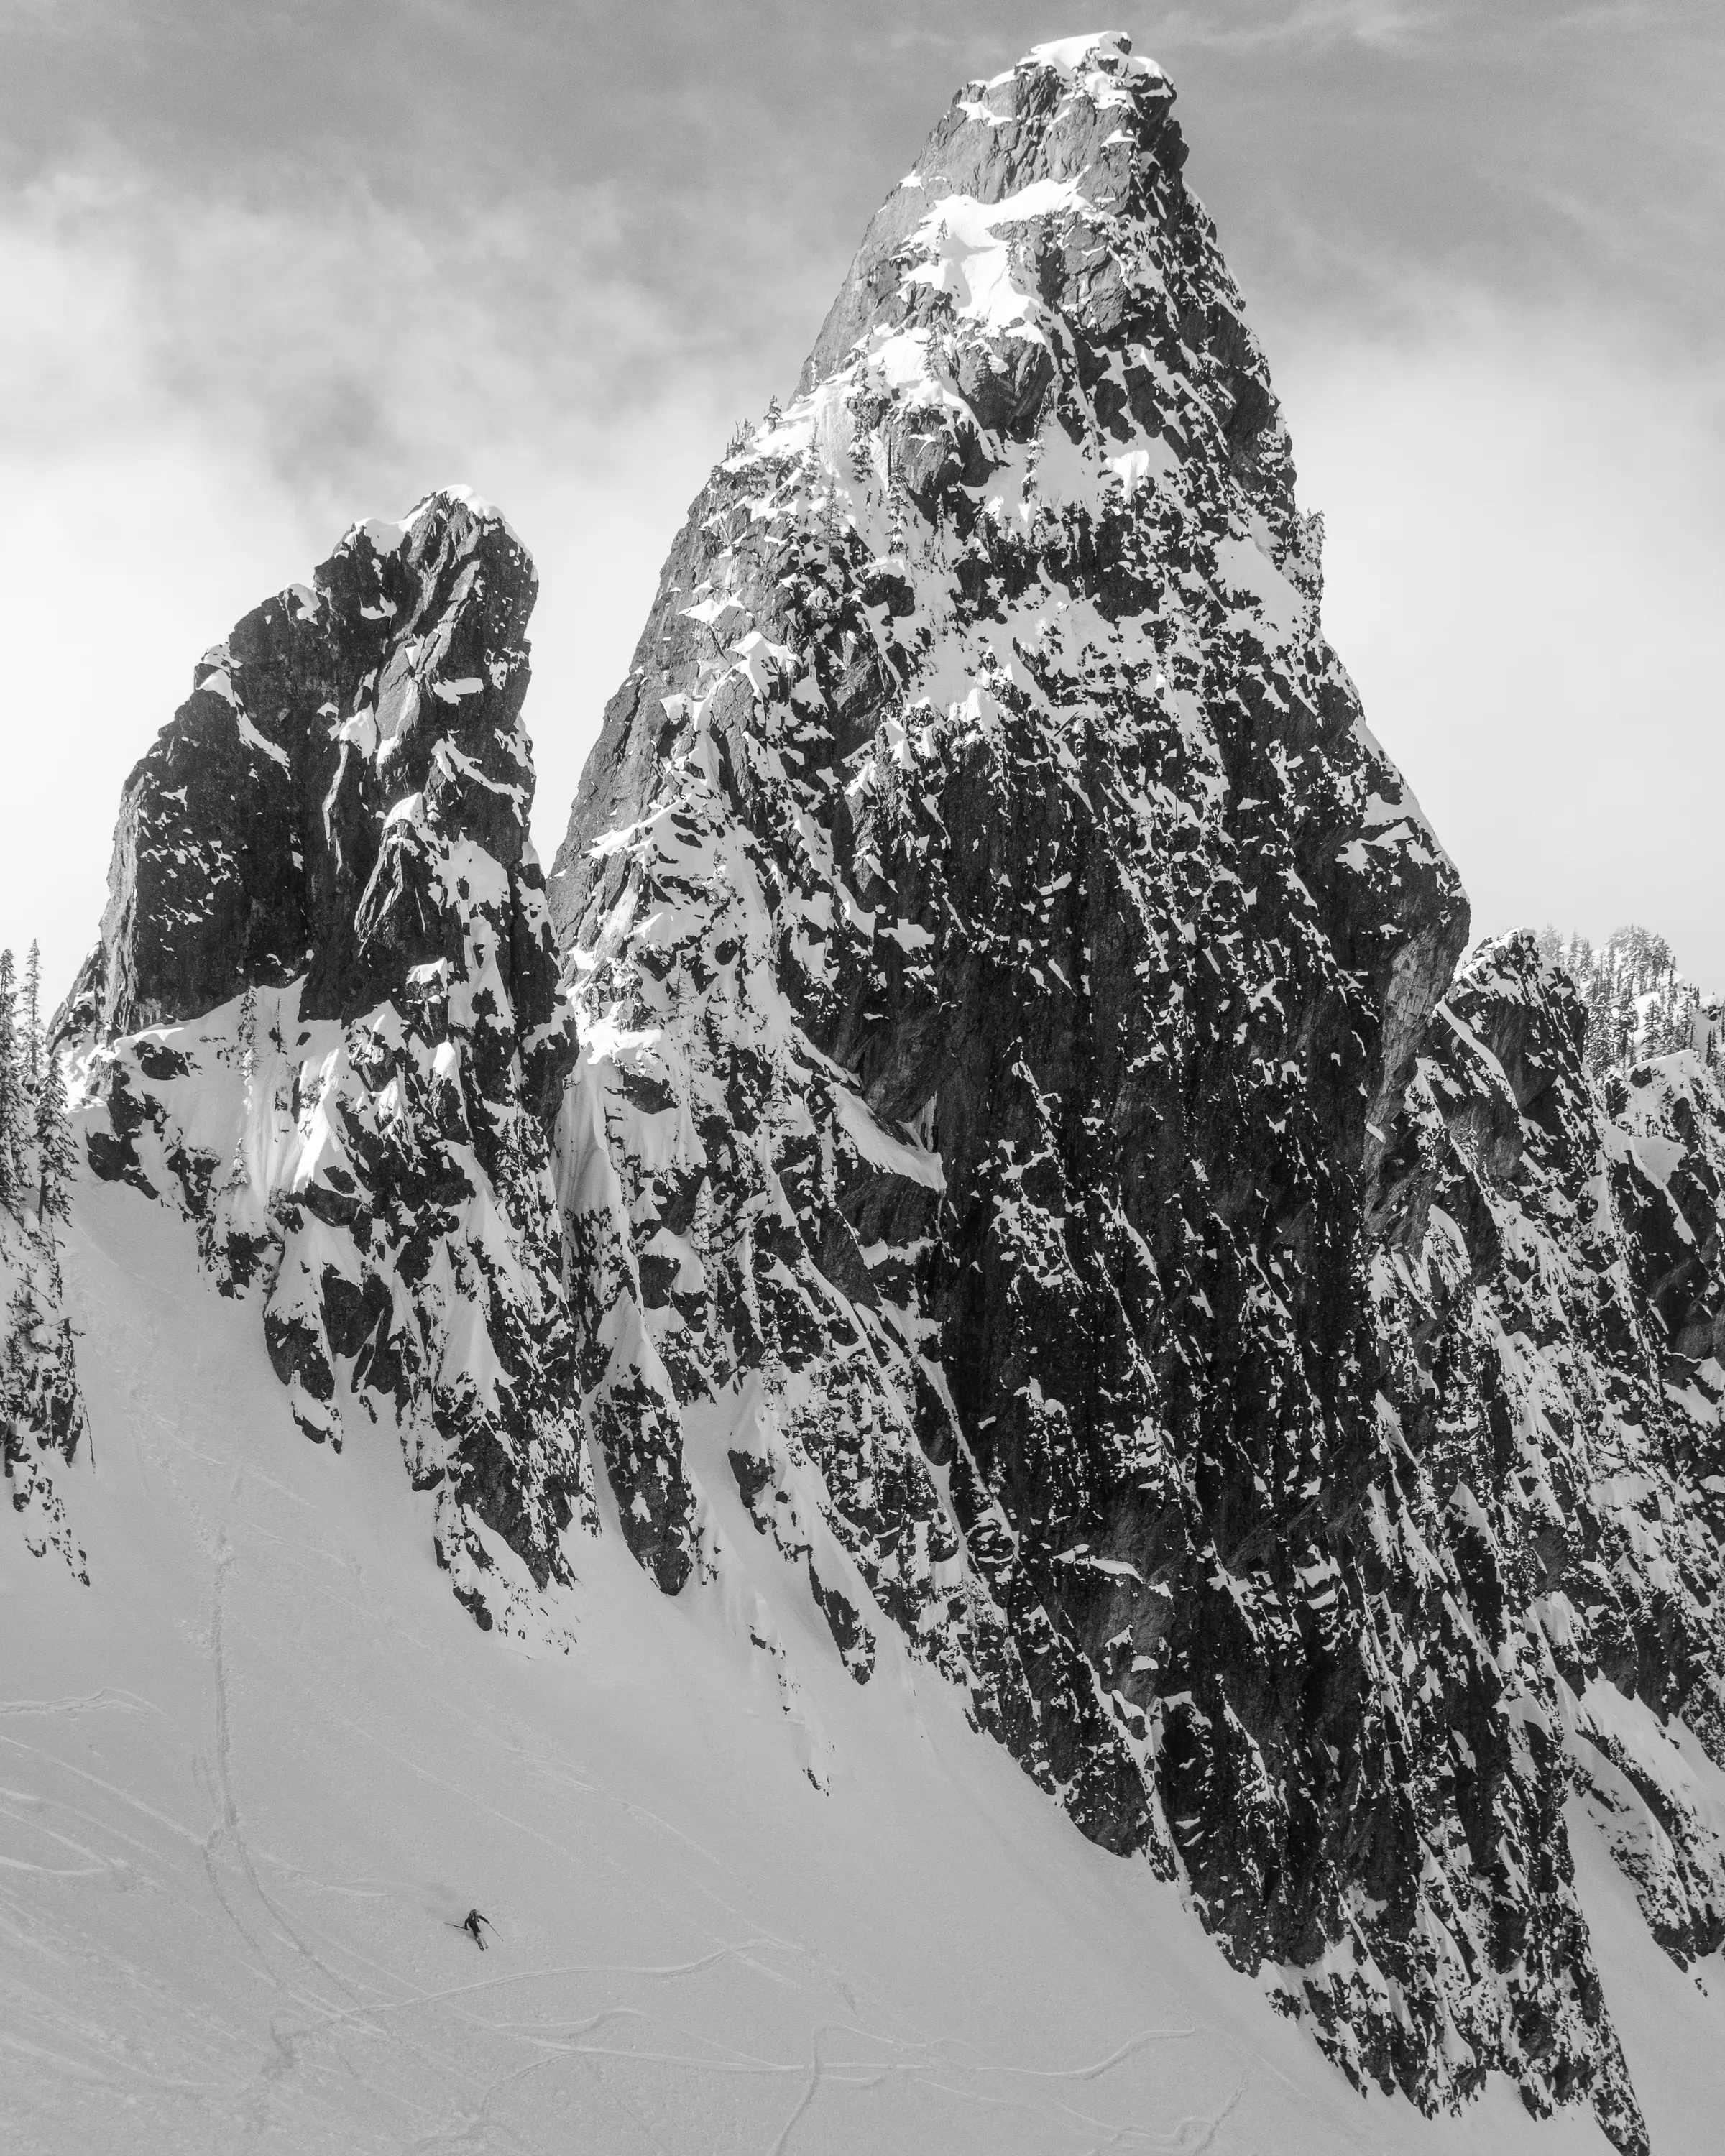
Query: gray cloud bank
{"x": 269, "y": 268}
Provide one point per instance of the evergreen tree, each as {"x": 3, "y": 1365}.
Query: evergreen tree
{"x": 248, "y": 1070}
{"x": 895, "y": 519}
{"x": 53, "y": 1143}
{"x": 1600, "y": 1044}
{"x": 31, "y": 1035}
{"x": 1623, "y": 1024}
{"x": 1654, "y": 1037}
{"x": 13, "y": 1127}
{"x": 248, "y": 1032}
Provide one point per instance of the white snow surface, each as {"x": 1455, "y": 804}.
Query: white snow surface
{"x": 257, "y": 1771}
{"x": 972, "y": 262}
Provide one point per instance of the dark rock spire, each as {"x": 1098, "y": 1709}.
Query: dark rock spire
{"x": 324, "y": 1020}
{"x": 1000, "y": 949}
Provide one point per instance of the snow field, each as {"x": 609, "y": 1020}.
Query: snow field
{"x": 257, "y": 1773}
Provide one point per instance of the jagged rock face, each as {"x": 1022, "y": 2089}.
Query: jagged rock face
{"x": 305, "y": 812}
{"x": 323, "y": 1021}
{"x": 1000, "y": 950}
{"x": 1552, "y": 1291}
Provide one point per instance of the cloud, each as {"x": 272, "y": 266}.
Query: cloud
{"x": 197, "y": 398}
{"x": 330, "y": 332}
{"x": 1268, "y": 24}
{"x": 1522, "y": 566}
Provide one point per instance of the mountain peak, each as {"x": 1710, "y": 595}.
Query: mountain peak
{"x": 323, "y": 1023}
{"x": 1098, "y": 68}
{"x": 1080, "y": 122}
{"x": 388, "y": 688}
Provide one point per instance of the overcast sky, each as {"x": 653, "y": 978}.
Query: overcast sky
{"x": 266, "y": 269}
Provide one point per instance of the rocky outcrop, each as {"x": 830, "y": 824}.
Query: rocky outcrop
{"x": 42, "y": 1420}
{"x": 303, "y": 815}
{"x": 1000, "y": 950}
{"x": 1552, "y": 1289}
{"x": 323, "y": 1021}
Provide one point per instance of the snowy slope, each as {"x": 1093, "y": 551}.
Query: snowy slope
{"x": 260, "y": 1768}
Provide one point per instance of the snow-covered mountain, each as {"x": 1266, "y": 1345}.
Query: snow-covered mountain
{"x": 976, "y": 1195}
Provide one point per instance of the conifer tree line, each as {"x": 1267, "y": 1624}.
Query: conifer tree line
{"x": 35, "y": 1137}
{"x": 39, "y": 1399}
{"x": 1638, "y": 1004}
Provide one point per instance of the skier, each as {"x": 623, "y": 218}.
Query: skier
{"x": 471, "y": 1927}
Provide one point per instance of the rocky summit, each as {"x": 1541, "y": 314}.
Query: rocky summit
{"x": 980, "y": 1142}
{"x": 323, "y": 1021}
